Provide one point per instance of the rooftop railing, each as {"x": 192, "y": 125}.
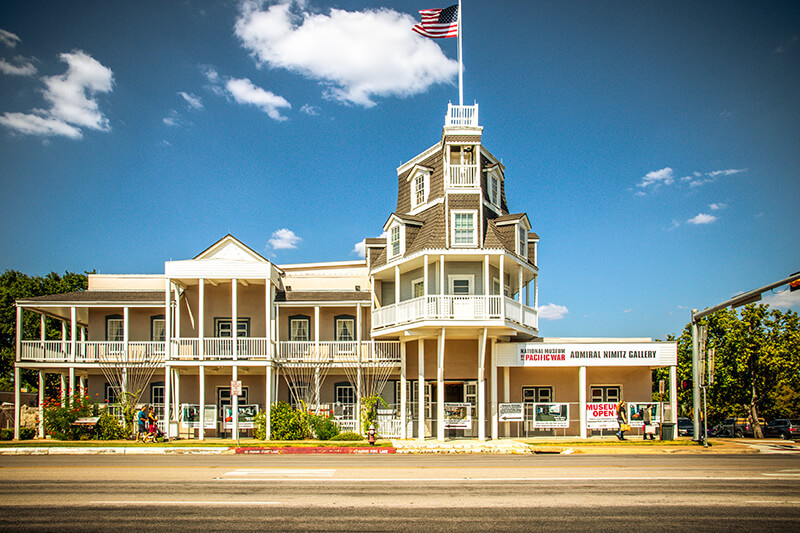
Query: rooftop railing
{"x": 461, "y": 115}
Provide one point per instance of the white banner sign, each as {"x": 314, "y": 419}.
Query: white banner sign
{"x": 511, "y": 412}
{"x": 601, "y": 416}
{"x": 458, "y": 416}
{"x": 543, "y": 355}
{"x": 247, "y": 416}
{"x": 636, "y": 413}
{"x": 190, "y": 416}
{"x": 551, "y": 415}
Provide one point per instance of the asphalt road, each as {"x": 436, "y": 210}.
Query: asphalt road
{"x": 400, "y": 493}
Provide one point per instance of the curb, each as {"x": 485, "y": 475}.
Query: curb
{"x": 301, "y": 450}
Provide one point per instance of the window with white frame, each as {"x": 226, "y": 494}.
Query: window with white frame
{"x": 158, "y": 327}
{"x": 537, "y": 394}
{"x": 344, "y": 393}
{"x": 419, "y": 188}
{"x": 605, "y": 393}
{"x": 464, "y": 224}
{"x": 345, "y": 328}
{"x": 418, "y": 288}
{"x": 395, "y": 241}
{"x": 299, "y": 328}
{"x": 496, "y": 288}
{"x": 115, "y": 328}
{"x": 493, "y": 186}
{"x": 461, "y": 285}
{"x": 223, "y": 327}
{"x": 522, "y": 240}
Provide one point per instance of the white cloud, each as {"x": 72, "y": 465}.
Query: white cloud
{"x": 244, "y": 92}
{"x": 702, "y": 218}
{"x": 360, "y": 249}
{"x": 9, "y": 39}
{"x": 172, "y": 119}
{"x": 717, "y": 206}
{"x": 665, "y": 176}
{"x": 783, "y": 300}
{"x": 309, "y": 109}
{"x": 192, "y": 100}
{"x": 356, "y": 55}
{"x": 626, "y": 311}
{"x": 284, "y": 239}
{"x": 552, "y": 312}
{"x": 73, "y": 104}
{"x": 23, "y": 68}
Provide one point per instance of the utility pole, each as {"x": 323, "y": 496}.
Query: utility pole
{"x": 737, "y": 301}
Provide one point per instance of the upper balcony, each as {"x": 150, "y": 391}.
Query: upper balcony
{"x": 461, "y": 116}
{"x": 458, "y": 309}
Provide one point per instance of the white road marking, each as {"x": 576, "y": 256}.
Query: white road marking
{"x": 260, "y": 474}
{"x": 501, "y": 479}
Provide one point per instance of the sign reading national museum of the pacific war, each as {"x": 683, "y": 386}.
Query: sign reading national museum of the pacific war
{"x": 537, "y": 354}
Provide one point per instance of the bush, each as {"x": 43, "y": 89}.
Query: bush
{"x": 347, "y": 435}
{"x": 288, "y": 424}
{"x": 108, "y": 428}
{"x": 24, "y": 434}
{"x": 323, "y": 427}
{"x": 58, "y": 419}
{"x": 260, "y": 429}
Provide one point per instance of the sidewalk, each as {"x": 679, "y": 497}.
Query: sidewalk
{"x": 456, "y": 446}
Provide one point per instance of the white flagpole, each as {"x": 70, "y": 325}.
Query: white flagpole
{"x": 460, "y": 62}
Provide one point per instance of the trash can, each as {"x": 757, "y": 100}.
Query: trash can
{"x": 668, "y": 431}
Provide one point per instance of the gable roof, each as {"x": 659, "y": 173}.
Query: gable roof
{"x": 230, "y": 248}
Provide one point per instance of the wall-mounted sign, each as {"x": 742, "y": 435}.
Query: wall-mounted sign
{"x": 458, "y": 416}
{"x": 601, "y": 416}
{"x": 543, "y": 354}
{"x": 551, "y": 415}
{"x": 190, "y": 416}
{"x": 247, "y": 416}
{"x": 636, "y": 413}
{"x": 511, "y": 412}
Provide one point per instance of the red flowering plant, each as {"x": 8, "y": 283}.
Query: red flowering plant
{"x": 59, "y": 418}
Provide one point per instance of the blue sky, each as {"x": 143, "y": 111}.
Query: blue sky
{"x": 654, "y": 145}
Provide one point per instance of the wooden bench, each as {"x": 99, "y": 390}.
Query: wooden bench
{"x": 87, "y": 421}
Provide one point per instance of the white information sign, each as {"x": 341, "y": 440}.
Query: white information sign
{"x": 236, "y": 388}
{"x": 636, "y": 413}
{"x": 458, "y": 416}
{"x": 551, "y": 415}
{"x": 247, "y": 416}
{"x": 511, "y": 412}
{"x": 601, "y": 416}
{"x": 190, "y": 416}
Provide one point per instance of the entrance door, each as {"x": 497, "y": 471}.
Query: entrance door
{"x": 224, "y": 400}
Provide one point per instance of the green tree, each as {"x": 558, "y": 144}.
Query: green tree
{"x": 14, "y": 286}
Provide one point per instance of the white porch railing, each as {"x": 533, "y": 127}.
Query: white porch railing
{"x": 454, "y": 308}
{"x": 463, "y": 176}
{"x": 89, "y": 351}
{"x": 338, "y": 352}
{"x": 461, "y": 115}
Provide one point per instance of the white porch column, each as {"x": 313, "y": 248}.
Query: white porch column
{"x": 176, "y": 398}
{"x": 536, "y": 292}
{"x": 403, "y": 392}
{"x": 358, "y": 330}
{"x": 673, "y": 394}
{"x": 41, "y": 402}
{"x": 167, "y": 396}
{"x": 317, "y": 355}
{"x": 201, "y": 372}
{"x": 71, "y": 388}
{"x": 482, "y": 384}
{"x": 73, "y": 333}
{"x": 42, "y": 328}
{"x": 82, "y": 385}
{"x": 440, "y": 385}
{"x": 268, "y": 402}
{"x": 582, "y": 400}
{"x": 507, "y": 396}
{"x": 235, "y": 321}
{"x": 167, "y": 323}
{"x": 425, "y": 289}
{"x": 18, "y": 398}
{"x": 421, "y": 389}
{"x": 493, "y": 385}
{"x": 441, "y": 276}
{"x": 201, "y": 325}
{"x": 64, "y": 338}
{"x": 63, "y": 388}
{"x": 503, "y": 286}
{"x": 235, "y": 405}
{"x": 519, "y": 296}
{"x": 487, "y": 288}
{"x": 397, "y": 288}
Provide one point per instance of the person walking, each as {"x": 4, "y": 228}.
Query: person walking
{"x": 622, "y": 419}
{"x": 647, "y": 428}
{"x": 143, "y": 421}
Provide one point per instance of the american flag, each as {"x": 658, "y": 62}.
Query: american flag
{"x": 438, "y": 23}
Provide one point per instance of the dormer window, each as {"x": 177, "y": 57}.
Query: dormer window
{"x": 493, "y": 186}
{"x": 394, "y": 241}
{"x": 464, "y": 232}
{"x": 522, "y": 240}
{"x": 420, "y": 188}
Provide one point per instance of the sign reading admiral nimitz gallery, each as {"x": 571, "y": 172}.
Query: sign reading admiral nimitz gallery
{"x": 537, "y": 354}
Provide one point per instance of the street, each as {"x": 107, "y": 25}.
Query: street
{"x": 400, "y": 493}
